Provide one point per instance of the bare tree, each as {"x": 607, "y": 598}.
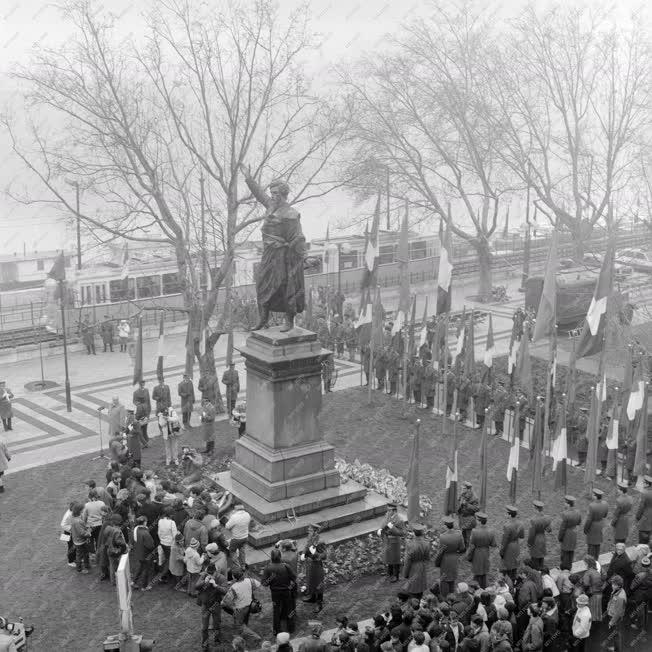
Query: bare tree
{"x": 419, "y": 113}
{"x": 571, "y": 94}
{"x": 144, "y": 125}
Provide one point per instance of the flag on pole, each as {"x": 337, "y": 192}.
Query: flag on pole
{"x": 423, "y": 339}
{"x": 537, "y": 450}
{"x": 413, "y": 319}
{"x": 469, "y": 349}
{"x": 459, "y": 342}
{"x": 513, "y": 351}
{"x": 364, "y": 321}
{"x": 592, "y": 434}
{"x": 592, "y": 335}
{"x": 161, "y": 346}
{"x": 378, "y": 321}
{"x": 636, "y": 394}
{"x": 413, "y": 510}
{"x": 404, "y": 278}
{"x": 523, "y": 369}
{"x": 450, "y": 501}
{"x": 628, "y": 379}
{"x": 124, "y": 263}
{"x": 484, "y": 467}
{"x": 571, "y": 376}
{"x": 138, "y": 360}
{"x": 546, "y": 321}
{"x": 445, "y": 273}
{"x": 612, "y": 442}
{"x": 58, "y": 271}
{"x": 640, "y": 428}
{"x": 512, "y": 462}
{"x": 372, "y": 250}
{"x": 559, "y": 452}
{"x": 489, "y": 350}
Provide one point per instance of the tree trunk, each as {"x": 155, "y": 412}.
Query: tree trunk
{"x": 485, "y": 259}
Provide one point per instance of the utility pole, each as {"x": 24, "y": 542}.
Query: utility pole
{"x": 62, "y": 298}
{"x": 526, "y": 245}
{"x": 79, "y": 257}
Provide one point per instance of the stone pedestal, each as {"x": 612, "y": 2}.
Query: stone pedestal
{"x": 283, "y": 455}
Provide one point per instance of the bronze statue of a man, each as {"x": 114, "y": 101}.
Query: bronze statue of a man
{"x": 279, "y": 281}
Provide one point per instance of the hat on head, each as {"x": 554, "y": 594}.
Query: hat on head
{"x": 570, "y": 499}
{"x": 598, "y": 492}
{"x": 463, "y": 587}
{"x": 645, "y": 561}
{"x": 194, "y": 543}
{"x": 582, "y": 599}
{"x": 418, "y": 528}
{"x": 212, "y": 549}
{"x": 466, "y": 483}
{"x": 449, "y": 520}
{"x": 482, "y": 516}
{"x": 511, "y": 509}
{"x": 623, "y": 485}
{"x": 538, "y": 504}
{"x": 282, "y": 638}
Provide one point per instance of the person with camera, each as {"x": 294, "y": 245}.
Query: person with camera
{"x": 242, "y": 599}
{"x": 169, "y": 427}
{"x": 211, "y": 588}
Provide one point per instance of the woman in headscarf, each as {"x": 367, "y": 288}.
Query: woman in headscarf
{"x": 314, "y": 555}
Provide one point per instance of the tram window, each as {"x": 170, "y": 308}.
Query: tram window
{"x": 171, "y": 283}
{"x": 417, "y": 250}
{"x": 386, "y": 254}
{"x": 148, "y": 286}
{"x": 100, "y": 294}
{"x": 118, "y": 290}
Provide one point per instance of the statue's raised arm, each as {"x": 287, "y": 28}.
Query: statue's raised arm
{"x": 255, "y": 188}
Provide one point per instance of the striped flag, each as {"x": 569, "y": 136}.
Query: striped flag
{"x": 404, "y": 275}
{"x": 459, "y": 342}
{"x": 546, "y": 321}
{"x": 571, "y": 376}
{"x": 484, "y": 468}
{"x": 423, "y": 339}
{"x": 364, "y": 321}
{"x": 445, "y": 273}
{"x": 450, "y": 501}
{"x": 514, "y": 450}
{"x": 372, "y": 250}
{"x": 489, "y": 351}
{"x": 559, "y": 452}
{"x": 592, "y": 336}
{"x": 469, "y": 349}
{"x": 413, "y": 510}
{"x": 138, "y": 360}
{"x": 523, "y": 369}
{"x": 536, "y": 451}
{"x": 513, "y": 351}
{"x": 161, "y": 345}
{"x": 413, "y": 319}
{"x": 58, "y": 271}
{"x": 378, "y": 321}
{"x": 612, "y": 442}
{"x": 636, "y": 394}
{"x": 628, "y": 379}
{"x": 640, "y": 427}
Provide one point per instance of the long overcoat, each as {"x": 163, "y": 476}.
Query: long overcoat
{"x": 570, "y": 519}
{"x": 5, "y": 403}
{"x": 620, "y": 520}
{"x": 594, "y": 521}
{"x": 536, "y": 539}
{"x": 481, "y": 541}
{"x": 510, "y": 547}
{"x": 415, "y": 569}
{"x": 644, "y": 512}
{"x": 186, "y": 392}
{"x": 315, "y": 568}
{"x": 451, "y": 545}
{"x": 392, "y": 539}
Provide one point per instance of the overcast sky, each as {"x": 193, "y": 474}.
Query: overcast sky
{"x": 349, "y": 28}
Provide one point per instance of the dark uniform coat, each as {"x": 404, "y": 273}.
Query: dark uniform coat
{"x": 467, "y": 506}
{"x": 141, "y": 395}
{"x": 429, "y": 381}
{"x": 209, "y": 388}
{"x": 536, "y": 538}
{"x": 161, "y": 394}
{"x": 87, "y": 333}
{"x": 208, "y": 421}
{"x": 510, "y": 547}
{"x": 380, "y": 365}
{"x": 186, "y": 392}
{"x": 620, "y": 520}
{"x": 480, "y": 542}
{"x": 415, "y": 569}
{"x": 416, "y": 379}
{"x": 133, "y": 439}
{"x": 106, "y": 330}
{"x": 594, "y": 522}
{"x": 315, "y": 567}
{"x": 570, "y": 519}
{"x": 644, "y": 511}
{"x": 231, "y": 381}
{"x": 392, "y": 539}
{"x": 451, "y": 545}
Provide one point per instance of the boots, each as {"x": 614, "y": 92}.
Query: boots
{"x": 210, "y": 445}
{"x": 289, "y": 322}
{"x": 263, "y": 311}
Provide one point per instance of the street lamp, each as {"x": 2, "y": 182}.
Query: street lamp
{"x": 75, "y": 184}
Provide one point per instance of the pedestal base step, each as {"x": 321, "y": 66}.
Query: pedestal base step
{"x": 268, "y": 511}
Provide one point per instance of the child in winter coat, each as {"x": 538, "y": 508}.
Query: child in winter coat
{"x": 194, "y": 562}
{"x": 177, "y": 565}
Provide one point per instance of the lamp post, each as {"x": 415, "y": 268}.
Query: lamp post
{"x": 75, "y": 184}
{"x": 62, "y": 298}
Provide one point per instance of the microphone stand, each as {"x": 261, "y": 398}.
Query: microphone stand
{"x": 101, "y": 456}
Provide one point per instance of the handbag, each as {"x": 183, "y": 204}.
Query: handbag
{"x": 255, "y": 607}
{"x": 64, "y": 536}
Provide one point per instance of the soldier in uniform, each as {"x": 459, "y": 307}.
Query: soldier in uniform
{"x": 417, "y": 379}
{"x": 644, "y": 511}
{"x": 106, "y": 330}
{"x": 510, "y": 547}
{"x": 570, "y": 519}
{"x": 327, "y": 370}
{"x": 210, "y": 390}
{"x": 593, "y": 525}
{"x": 161, "y": 395}
{"x": 338, "y": 336}
{"x": 380, "y": 367}
{"x": 348, "y": 333}
{"x": 620, "y": 519}
{"x": 481, "y": 541}
{"x": 467, "y": 506}
{"x": 451, "y": 385}
{"x": 393, "y": 367}
{"x": 88, "y": 335}
{"x": 143, "y": 405}
{"x": 451, "y": 546}
{"x": 415, "y": 568}
{"x": 392, "y": 531}
{"x": 208, "y": 424}
{"x": 429, "y": 385}
{"x": 231, "y": 381}
{"x": 365, "y": 356}
{"x": 186, "y": 393}
{"x": 536, "y": 538}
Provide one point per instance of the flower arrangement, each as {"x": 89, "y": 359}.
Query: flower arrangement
{"x": 382, "y": 482}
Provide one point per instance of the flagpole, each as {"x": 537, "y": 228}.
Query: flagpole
{"x": 62, "y": 297}
{"x": 546, "y": 409}
{"x": 445, "y": 391}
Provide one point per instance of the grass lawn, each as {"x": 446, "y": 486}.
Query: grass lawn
{"x": 75, "y": 612}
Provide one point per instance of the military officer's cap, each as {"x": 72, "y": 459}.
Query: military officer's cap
{"x": 482, "y": 516}
{"x": 598, "y": 492}
{"x": 570, "y": 499}
{"x": 623, "y": 485}
{"x": 449, "y": 520}
{"x": 467, "y": 484}
{"x": 647, "y": 479}
{"x": 538, "y": 503}
{"x": 418, "y": 528}
{"x": 511, "y": 509}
